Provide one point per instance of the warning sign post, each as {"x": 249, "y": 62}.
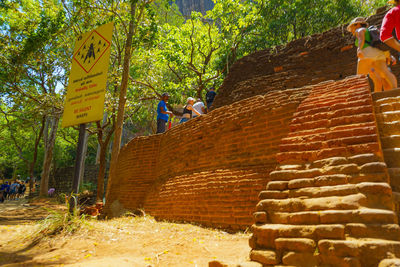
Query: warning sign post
{"x": 84, "y": 101}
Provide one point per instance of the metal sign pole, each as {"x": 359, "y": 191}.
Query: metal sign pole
{"x": 80, "y": 159}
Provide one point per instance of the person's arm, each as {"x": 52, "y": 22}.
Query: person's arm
{"x": 192, "y": 109}
{"x": 360, "y": 34}
{"x": 203, "y": 109}
{"x": 386, "y": 32}
{"x": 162, "y": 110}
{"x": 393, "y": 43}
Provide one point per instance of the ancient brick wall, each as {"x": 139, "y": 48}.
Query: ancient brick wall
{"x": 208, "y": 170}
{"x": 327, "y": 56}
{"x": 329, "y": 202}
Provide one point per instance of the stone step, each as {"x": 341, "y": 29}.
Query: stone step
{"x": 265, "y": 235}
{"x": 332, "y": 98}
{"x": 333, "y": 122}
{"x": 348, "y": 202}
{"x": 305, "y": 110}
{"x": 392, "y": 157}
{"x": 389, "y": 128}
{"x": 339, "y": 142}
{"x": 313, "y": 155}
{"x": 388, "y": 116}
{"x": 394, "y": 174}
{"x": 384, "y": 96}
{"x": 381, "y": 231}
{"x": 360, "y": 215}
{"x": 334, "y": 114}
{"x": 364, "y": 128}
{"x": 390, "y": 141}
{"x": 390, "y": 106}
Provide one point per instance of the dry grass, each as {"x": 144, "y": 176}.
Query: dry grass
{"x": 125, "y": 241}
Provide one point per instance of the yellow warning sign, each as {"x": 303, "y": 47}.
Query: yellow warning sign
{"x": 84, "y": 101}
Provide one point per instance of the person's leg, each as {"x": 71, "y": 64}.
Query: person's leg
{"x": 161, "y": 125}
{"x": 389, "y": 80}
{"x": 365, "y": 66}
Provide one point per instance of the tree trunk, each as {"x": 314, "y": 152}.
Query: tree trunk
{"x": 122, "y": 99}
{"x": 49, "y": 141}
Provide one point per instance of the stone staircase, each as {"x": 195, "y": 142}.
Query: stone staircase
{"x": 387, "y": 108}
{"x": 329, "y": 202}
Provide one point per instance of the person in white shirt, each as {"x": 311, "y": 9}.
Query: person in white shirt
{"x": 199, "y": 107}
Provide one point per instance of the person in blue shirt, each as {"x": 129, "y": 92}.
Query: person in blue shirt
{"x": 210, "y": 97}
{"x": 163, "y": 113}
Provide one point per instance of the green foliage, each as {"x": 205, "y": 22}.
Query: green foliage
{"x": 171, "y": 54}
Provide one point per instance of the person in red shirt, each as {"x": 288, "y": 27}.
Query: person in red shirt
{"x": 391, "y": 21}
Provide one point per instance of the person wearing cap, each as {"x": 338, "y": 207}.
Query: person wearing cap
{"x": 188, "y": 110}
{"x": 391, "y": 21}
{"x": 163, "y": 113}
{"x": 371, "y": 60}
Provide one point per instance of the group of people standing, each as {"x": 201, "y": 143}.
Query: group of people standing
{"x": 373, "y": 61}
{"x": 12, "y": 191}
{"x": 192, "y": 109}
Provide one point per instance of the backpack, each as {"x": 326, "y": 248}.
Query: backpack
{"x": 376, "y": 39}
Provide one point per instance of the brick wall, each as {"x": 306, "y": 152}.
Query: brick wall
{"x": 208, "y": 170}
{"x": 310, "y": 60}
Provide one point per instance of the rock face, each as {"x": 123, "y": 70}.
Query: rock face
{"x": 310, "y": 60}
{"x": 329, "y": 201}
{"x": 187, "y": 6}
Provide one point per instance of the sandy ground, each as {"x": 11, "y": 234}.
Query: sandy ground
{"x": 126, "y": 241}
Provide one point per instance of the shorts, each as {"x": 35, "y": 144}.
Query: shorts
{"x": 373, "y": 53}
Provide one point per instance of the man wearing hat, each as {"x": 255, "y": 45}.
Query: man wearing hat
{"x": 162, "y": 113}
{"x": 391, "y": 21}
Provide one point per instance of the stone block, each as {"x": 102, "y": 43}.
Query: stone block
{"x": 295, "y": 244}
{"x": 300, "y": 259}
{"x": 277, "y": 185}
{"x": 267, "y": 257}
{"x": 270, "y": 194}
{"x": 339, "y": 248}
{"x": 381, "y": 231}
{"x": 260, "y": 217}
{"x": 373, "y": 167}
{"x": 365, "y": 158}
{"x": 330, "y": 231}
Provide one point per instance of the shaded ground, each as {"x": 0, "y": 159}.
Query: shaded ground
{"x": 126, "y": 241}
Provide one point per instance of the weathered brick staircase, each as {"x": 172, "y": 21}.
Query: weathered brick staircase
{"x": 387, "y": 108}
{"x": 329, "y": 202}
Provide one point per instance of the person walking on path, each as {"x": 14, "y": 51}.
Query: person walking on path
{"x": 188, "y": 110}
{"x": 371, "y": 60}
{"x": 210, "y": 97}
{"x": 199, "y": 107}
{"x": 391, "y": 21}
{"x": 163, "y": 113}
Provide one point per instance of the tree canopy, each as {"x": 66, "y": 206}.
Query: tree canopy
{"x": 169, "y": 53}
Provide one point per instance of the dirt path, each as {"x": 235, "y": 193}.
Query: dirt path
{"x": 126, "y": 241}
